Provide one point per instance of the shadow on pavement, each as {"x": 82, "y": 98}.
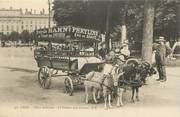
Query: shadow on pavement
{"x": 13, "y": 69}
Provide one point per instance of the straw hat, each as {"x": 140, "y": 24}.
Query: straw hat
{"x": 126, "y": 42}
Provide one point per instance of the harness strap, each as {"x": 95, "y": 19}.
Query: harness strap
{"x": 131, "y": 83}
{"x": 102, "y": 83}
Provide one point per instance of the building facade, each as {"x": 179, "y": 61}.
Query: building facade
{"x": 15, "y": 20}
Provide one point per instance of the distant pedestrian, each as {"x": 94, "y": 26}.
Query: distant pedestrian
{"x": 49, "y": 46}
{"x": 162, "y": 51}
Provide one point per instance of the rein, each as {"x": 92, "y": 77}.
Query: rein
{"x": 102, "y": 83}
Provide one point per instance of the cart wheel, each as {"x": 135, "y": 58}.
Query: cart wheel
{"x": 44, "y": 77}
{"x": 68, "y": 86}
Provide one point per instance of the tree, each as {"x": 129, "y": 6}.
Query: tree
{"x": 14, "y": 36}
{"x": 25, "y": 36}
{"x": 148, "y": 30}
{"x": 167, "y": 20}
{"x": 93, "y": 14}
{"x": 166, "y": 23}
{"x": 99, "y": 15}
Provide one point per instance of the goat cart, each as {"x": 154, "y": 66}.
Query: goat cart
{"x": 55, "y": 60}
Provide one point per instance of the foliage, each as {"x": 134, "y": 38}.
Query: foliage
{"x": 25, "y": 36}
{"x": 80, "y": 13}
{"x": 92, "y": 14}
{"x": 166, "y": 19}
{"x": 14, "y": 36}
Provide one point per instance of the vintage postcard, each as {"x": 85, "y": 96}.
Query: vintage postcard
{"x": 89, "y": 58}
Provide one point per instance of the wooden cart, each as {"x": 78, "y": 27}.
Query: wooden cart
{"x": 52, "y": 60}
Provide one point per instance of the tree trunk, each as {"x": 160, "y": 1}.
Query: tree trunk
{"x": 124, "y": 29}
{"x": 148, "y": 31}
{"x": 108, "y": 25}
{"x": 178, "y": 22}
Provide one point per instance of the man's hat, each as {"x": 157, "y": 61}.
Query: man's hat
{"x": 125, "y": 41}
{"x": 160, "y": 39}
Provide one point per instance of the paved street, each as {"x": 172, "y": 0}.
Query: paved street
{"x": 19, "y": 90}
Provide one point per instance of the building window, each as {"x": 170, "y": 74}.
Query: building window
{"x": 7, "y": 27}
{"x": 26, "y": 27}
{"x": 2, "y": 28}
{"x": 12, "y": 28}
{"x": 17, "y": 28}
{"x": 22, "y": 27}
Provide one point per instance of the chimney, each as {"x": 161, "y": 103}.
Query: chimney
{"x": 11, "y": 8}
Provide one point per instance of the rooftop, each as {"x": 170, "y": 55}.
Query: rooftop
{"x": 19, "y": 12}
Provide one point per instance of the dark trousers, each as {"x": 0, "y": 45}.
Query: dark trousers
{"x": 162, "y": 71}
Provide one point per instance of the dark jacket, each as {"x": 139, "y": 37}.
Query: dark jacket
{"x": 103, "y": 52}
{"x": 162, "y": 51}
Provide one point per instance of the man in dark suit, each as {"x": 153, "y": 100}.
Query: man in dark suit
{"x": 162, "y": 51}
{"x": 103, "y": 51}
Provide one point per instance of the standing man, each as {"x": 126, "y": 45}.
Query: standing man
{"x": 103, "y": 51}
{"x": 162, "y": 51}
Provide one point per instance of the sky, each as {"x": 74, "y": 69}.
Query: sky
{"x": 37, "y": 5}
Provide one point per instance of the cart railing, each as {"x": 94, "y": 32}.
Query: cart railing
{"x": 63, "y": 53}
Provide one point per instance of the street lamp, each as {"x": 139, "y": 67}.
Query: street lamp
{"x": 49, "y": 4}
{"x": 50, "y": 43}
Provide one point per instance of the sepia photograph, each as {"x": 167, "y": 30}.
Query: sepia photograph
{"x": 89, "y": 58}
